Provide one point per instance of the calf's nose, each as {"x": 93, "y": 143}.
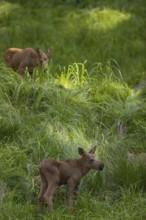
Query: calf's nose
{"x": 101, "y": 166}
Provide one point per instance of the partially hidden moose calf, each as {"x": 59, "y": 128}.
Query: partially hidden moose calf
{"x": 28, "y": 58}
{"x": 54, "y": 173}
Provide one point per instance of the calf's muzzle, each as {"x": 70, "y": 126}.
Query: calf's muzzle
{"x": 101, "y": 166}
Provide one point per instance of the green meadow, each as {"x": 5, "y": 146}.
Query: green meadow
{"x": 92, "y": 93}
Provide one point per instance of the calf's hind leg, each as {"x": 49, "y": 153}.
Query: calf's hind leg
{"x": 43, "y": 188}
{"x": 49, "y": 194}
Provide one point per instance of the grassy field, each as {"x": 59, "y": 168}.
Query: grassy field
{"x": 85, "y": 98}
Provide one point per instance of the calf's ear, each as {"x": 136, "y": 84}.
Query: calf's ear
{"x": 81, "y": 151}
{"x": 92, "y": 151}
{"x": 49, "y": 51}
{"x": 39, "y": 52}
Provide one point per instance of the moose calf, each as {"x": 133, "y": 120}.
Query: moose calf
{"x": 21, "y": 59}
{"x": 54, "y": 173}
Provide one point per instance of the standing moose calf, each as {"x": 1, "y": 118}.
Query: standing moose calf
{"x": 21, "y": 59}
{"x": 54, "y": 173}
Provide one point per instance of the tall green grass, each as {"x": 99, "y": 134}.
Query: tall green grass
{"x": 51, "y": 117}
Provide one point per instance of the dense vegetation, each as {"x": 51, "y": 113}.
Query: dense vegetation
{"x": 88, "y": 96}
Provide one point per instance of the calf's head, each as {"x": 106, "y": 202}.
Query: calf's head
{"x": 90, "y": 162}
{"x": 44, "y": 57}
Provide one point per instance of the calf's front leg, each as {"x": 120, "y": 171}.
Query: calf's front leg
{"x": 71, "y": 190}
{"x": 76, "y": 189}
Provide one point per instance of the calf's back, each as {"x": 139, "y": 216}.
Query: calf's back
{"x": 63, "y": 170}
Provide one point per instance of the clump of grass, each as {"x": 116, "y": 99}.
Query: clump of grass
{"x": 10, "y": 120}
{"x": 75, "y": 76}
